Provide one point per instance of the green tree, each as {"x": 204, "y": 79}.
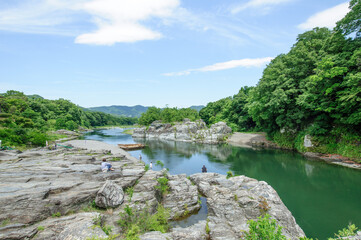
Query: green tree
{"x": 351, "y": 23}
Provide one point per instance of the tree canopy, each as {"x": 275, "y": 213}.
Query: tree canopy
{"x": 25, "y": 120}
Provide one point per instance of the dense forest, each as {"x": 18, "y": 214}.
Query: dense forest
{"x": 314, "y": 89}
{"x": 168, "y": 115}
{"x": 27, "y": 120}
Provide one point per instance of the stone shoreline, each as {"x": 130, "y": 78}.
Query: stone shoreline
{"x": 46, "y": 194}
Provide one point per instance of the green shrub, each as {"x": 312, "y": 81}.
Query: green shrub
{"x": 351, "y": 230}
{"x": 160, "y": 163}
{"x": 264, "y": 228}
{"x": 207, "y": 227}
{"x": 163, "y": 187}
{"x": 146, "y": 167}
{"x": 136, "y": 222}
{"x": 284, "y": 140}
{"x": 229, "y": 174}
{"x": 57, "y": 214}
{"x": 41, "y": 228}
{"x": 130, "y": 191}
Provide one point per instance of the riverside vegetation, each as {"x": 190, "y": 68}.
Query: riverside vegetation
{"x": 314, "y": 89}
{"x": 28, "y": 120}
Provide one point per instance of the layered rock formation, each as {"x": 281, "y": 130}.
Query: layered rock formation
{"x": 185, "y": 131}
{"x": 48, "y": 194}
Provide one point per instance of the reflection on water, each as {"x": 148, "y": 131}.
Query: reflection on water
{"x": 194, "y": 218}
{"x": 323, "y": 198}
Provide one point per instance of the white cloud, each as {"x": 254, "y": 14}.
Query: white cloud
{"x": 121, "y": 21}
{"x": 115, "y": 20}
{"x": 326, "y": 18}
{"x": 38, "y": 16}
{"x": 247, "y": 62}
{"x": 259, "y": 4}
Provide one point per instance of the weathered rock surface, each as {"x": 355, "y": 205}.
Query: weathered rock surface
{"x": 250, "y": 140}
{"x": 39, "y": 184}
{"x": 61, "y": 181}
{"x": 185, "y": 131}
{"x": 110, "y": 195}
{"x": 75, "y": 227}
{"x": 195, "y": 232}
{"x": 232, "y": 202}
{"x": 182, "y": 198}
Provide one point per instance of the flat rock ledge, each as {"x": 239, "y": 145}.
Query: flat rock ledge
{"x": 48, "y": 194}
{"x": 185, "y": 131}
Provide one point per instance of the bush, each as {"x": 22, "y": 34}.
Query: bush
{"x": 264, "y": 228}
{"x": 163, "y": 187}
{"x": 135, "y": 223}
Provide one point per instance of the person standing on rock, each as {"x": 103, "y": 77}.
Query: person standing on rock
{"x": 204, "y": 169}
{"x": 106, "y": 167}
{"x": 140, "y": 156}
{"x": 150, "y": 165}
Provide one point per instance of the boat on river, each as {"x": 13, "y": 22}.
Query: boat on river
{"x": 129, "y": 147}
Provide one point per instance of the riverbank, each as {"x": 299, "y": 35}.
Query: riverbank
{"x": 61, "y": 185}
{"x": 260, "y": 140}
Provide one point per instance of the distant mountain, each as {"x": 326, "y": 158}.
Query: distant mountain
{"x": 135, "y": 111}
{"x": 198, "y": 108}
{"x": 127, "y": 111}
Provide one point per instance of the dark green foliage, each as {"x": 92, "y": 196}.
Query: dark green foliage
{"x": 167, "y": 115}
{"x": 264, "y": 228}
{"x": 232, "y": 110}
{"x": 314, "y": 89}
{"x": 24, "y": 120}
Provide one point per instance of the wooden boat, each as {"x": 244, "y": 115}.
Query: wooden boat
{"x": 129, "y": 147}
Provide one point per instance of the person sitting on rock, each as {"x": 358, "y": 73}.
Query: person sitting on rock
{"x": 106, "y": 167}
{"x": 204, "y": 169}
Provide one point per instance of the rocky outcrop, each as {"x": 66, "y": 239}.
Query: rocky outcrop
{"x": 250, "y": 140}
{"x": 182, "y": 198}
{"x": 44, "y": 193}
{"x": 77, "y": 226}
{"x": 110, "y": 195}
{"x": 232, "y": 202}
{"x": 195, "y": 232}
{"x": 39, "y": 184}
{"x": 185, "y": 131}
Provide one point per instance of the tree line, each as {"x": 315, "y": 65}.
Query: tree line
{"x": 167, "y": 115}
{"x": 313, "y": 89}
{"x": 26, "y": 120}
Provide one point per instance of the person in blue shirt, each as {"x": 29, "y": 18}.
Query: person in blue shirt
{"x": 106, "y": 167}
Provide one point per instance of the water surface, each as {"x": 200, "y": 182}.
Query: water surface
{"x": 322, "y": 197}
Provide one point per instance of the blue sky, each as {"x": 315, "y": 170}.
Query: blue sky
{"x": 148, "y": 52}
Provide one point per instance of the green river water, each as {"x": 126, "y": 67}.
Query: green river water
{"x": 323, "y": 198}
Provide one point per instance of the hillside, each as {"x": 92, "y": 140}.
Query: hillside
{"x": 29, "y": 120}
{"x": 134, "y": 111}
{"x": 127, "y": 111}
{"x": 310, "y": 94}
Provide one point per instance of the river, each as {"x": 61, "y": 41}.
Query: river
{"x": 322, "y": 197}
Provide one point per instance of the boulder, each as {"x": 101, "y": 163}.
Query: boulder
{"x": 110, "y": 195}
{"x": 307, "y": 141}
{"x": 232, "y": 202}
{"x": 185, "y": 131}
{"x": 182, "y": 198}
{"x": 194, "y": 232}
